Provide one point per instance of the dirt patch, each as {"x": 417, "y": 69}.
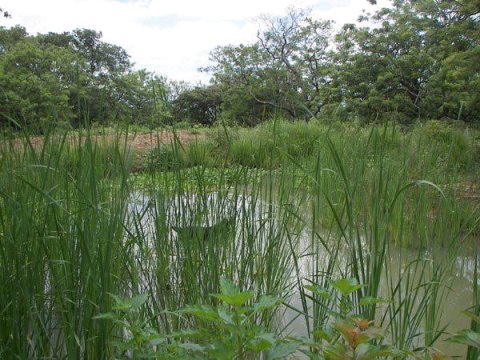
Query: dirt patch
{"x": 143, "y": 142}
{"x": 468, "y": 190}
{"x": 140, "y": 143}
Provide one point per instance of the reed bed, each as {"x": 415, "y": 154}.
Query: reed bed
{"x": 277, "y": 210}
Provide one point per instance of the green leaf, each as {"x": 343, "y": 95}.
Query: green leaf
{"x": 189, "y": 333}
{"x": 326, "y": 333}
{"x": 346, "y": 286}
{"x": 318, "y": 290}
{"x": 129, "y": 304}
{"x": 282, "y": 350}
{"x": 225, "y": 315}
{"x": 138, "y": 301}
{"x": 157, "y": 340}
{"x": 105, "y": 316}
{"x": 368, "y": 351}
{"x": 238, "y": 299}
{"x": 369, "y": 300}
{"x": 227, "y": 287}
{"x": 266, "y": 302}
{"x": 262, "y": 342}
{"x": 336, "y": 351}
{"x": 204, "y": 312}
{"x": 472, "y": 316}
{"x": 192, "y": 347}
{"x": 467, "y": 337}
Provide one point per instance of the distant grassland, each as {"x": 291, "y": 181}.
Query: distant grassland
{"x": 312, "y": 203}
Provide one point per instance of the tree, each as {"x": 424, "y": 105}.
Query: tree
{"x": 36, "y": 82}
{"x": 248, "y": 86}
{"x": 297, "y": 45}
{"x": 453, "y": 30}
{"x": 286, "y": 71}
{"x": 142, "y": 98}
{"x": 409, "y": 65}
{"x": 10, "y": 37}
{"x": 76, "y": 78}
{"x": 104, "y": 65}
{"x": 419, "y": 60}
{"x": 198, "y": 105}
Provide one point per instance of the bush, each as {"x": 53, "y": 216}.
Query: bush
{"x": 201, "y": 153}
{"x": 165, "y": 157}
{"x": 454, "y": 144}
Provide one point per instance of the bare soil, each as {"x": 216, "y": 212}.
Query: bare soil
{"x": 143, "y": 142}
{"x": 139, "y": 142}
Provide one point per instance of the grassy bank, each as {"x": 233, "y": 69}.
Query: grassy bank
{"x": 285, "y": 209}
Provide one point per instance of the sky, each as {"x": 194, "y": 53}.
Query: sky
{"x": 172, "y": 38}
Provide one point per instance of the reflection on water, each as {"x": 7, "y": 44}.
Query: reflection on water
{"x": 199, "y": 217}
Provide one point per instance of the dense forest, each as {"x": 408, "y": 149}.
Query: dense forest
{"x": 413, "y": 60}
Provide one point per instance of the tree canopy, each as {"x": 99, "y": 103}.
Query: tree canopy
{"x": 75, "y": 78}
{"x": 417, "y": 59}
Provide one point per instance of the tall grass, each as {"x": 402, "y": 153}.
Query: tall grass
{"x": 288, "y": 205}
{"x": 62, "y": 234}
{"x": 71, "y": 237}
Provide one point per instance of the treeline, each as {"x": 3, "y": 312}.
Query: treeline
{"x": 75, "y": 79}
{"x": 414, "y": 60}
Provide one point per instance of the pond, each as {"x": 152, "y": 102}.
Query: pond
{"x": 262, "y": 242}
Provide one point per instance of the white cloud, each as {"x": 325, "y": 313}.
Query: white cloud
{"x": 172, "y": 38}
{"x": 348, "y": 11}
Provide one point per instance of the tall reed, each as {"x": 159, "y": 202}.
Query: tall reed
{"x": 316, "y": 203}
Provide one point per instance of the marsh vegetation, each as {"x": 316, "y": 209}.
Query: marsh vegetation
{"x": 391, "y": 211}
{"x": 319, "y": 198}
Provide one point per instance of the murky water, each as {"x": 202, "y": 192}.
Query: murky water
{"x": 184, "y": 213}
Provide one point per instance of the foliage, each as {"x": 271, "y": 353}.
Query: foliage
{"x": 283, "y": 73}
{"x": 344, "y": 201}
{"x": 470, "y": 337}
{"x": 35, "y": 84}
{"x": 164, "y": 157}
{"x": 230, "y": 331}
{"x": 411, "y": 60}
{"x": 416, "y": 61}
{"x": 75, "y": 78}
{"x": 198, "y": 105}
{"x": 233, "y": 332}
{"x": 351, "y": 337}
{"x": 136, "y": 339}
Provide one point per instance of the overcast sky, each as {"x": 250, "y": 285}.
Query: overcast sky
{"x": 170, "y": 37}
